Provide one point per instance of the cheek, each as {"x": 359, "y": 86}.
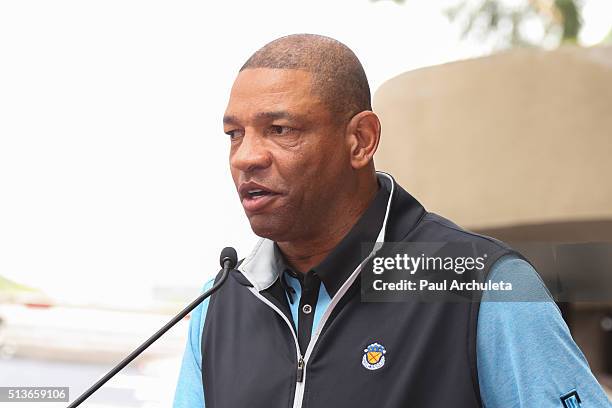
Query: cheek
{"x": 296, "y": 171}
{"x": 315, "y": 178}
{"x": 334, "y": 159}
{"x": 316, "y": 165}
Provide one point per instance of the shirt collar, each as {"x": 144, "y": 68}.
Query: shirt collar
{"x": 265, "y": 263}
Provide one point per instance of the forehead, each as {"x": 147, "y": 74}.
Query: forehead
{"x": 258, "y": 90}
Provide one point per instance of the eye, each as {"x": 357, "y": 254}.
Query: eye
{"x": 278, "y": 130}
{"x": 234, "y": 134}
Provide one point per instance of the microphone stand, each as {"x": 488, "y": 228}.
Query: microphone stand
{"x": 229, "y": 260}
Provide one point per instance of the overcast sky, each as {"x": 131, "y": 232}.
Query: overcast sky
{"x": 113, "y": 164}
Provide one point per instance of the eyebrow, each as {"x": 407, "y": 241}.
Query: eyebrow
{"x": 232, "y": 120}
{"x": 229, "y": 120}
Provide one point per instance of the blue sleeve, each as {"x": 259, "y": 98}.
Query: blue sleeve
{"x": 189, "y": 390}
{"x": 526, "y": 356}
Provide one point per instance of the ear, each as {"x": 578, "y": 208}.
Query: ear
{"x": 363, "y": 135}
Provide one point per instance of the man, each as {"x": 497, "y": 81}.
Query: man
{"x": 289, "y": 328}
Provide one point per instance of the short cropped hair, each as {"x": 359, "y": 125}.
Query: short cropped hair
{"x": 338, "y": 77}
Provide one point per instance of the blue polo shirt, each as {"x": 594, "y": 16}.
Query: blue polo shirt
{"x": 526, "y": 355}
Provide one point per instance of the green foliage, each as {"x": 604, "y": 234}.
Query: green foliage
{"x": 500, "y": 21}
{"x": 571, "y": 21}
{"x": 608, "y": 39}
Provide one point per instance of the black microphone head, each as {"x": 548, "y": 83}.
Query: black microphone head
{"x": 228, "y": 254}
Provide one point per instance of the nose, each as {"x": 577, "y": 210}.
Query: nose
{"x": 250, "y": 153}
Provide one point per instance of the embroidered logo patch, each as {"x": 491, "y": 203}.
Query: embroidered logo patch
{"x": 374, "y": 356}
{"x": 571, "y": 400}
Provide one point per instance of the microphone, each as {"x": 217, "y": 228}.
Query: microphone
{"x": 229, "y": 256}
{"x": 228, "y": 260}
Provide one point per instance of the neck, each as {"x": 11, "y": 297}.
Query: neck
{"x": 302, "y": 255}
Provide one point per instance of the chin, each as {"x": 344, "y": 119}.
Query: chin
{"x": 269, "y": 227}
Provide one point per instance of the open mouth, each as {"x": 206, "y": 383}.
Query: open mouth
{"x": 258, "y": 193}
{"x": 256, "y": 198}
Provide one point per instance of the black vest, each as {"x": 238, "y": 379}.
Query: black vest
{"x": 250, "y": 356}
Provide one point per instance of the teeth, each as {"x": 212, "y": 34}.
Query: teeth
{"x": 257, "y": 192}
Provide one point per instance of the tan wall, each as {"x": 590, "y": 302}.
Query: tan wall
{"x": 519, "y": 137}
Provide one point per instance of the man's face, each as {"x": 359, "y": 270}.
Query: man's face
{"x": 287, "y": 155}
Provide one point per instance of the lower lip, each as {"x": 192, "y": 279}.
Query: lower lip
{"x": 255, "y": 204}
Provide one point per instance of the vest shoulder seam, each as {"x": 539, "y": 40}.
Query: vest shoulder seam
{"x": 497, "y": 243}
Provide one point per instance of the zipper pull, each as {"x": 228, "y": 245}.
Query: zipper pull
{"x": 300, "y": 370}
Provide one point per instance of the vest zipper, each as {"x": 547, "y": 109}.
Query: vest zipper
{"x": 300, "y": 370}
{"x": 303, "y": 360}
{"x": 301, "y": 363}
